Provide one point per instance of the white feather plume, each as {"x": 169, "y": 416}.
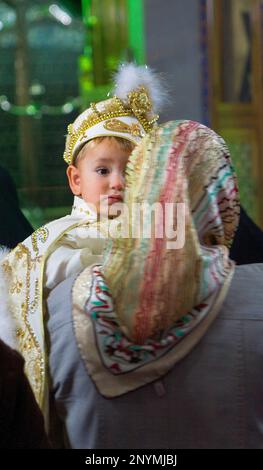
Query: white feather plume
{"x": 130, "y": 76}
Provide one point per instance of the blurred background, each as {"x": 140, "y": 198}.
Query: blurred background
{"x": 56, "y": 57}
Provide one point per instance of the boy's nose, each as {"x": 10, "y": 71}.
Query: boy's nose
{"x": 117, "y": 182}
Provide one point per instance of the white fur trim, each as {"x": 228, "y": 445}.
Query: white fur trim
{"x": 131, "y": 76}
{"x": 7, "y": 326}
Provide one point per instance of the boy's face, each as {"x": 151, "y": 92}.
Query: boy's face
{"x": 100, "y": 173}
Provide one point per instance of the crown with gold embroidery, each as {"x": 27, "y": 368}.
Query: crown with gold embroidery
{"x": 131, "y": 113}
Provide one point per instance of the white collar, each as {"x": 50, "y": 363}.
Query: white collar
{"x": 82, "y": 209}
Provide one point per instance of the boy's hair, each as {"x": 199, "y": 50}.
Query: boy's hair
{"x": 125, "y": 144}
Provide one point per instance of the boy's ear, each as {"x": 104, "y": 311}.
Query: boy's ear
{"x": 73, "y": 175}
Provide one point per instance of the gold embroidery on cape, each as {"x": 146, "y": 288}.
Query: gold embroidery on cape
{"x": 20, "y": 251}
{"x": 40, "y": 234}
{"x": 24, "y": 303}
{"x": 16, "y": 286}
{"x": 6, "y": 267}
{"x": 120, "y": 126}
{"x": 33, "y": 305}
{"x": 20, "y": 307}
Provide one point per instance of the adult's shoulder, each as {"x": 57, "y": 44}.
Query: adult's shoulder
{"x": 245, "y": 295}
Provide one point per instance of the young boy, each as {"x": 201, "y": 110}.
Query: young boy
{"x": 96, "y": 178}
{"x": 97, "y": 148}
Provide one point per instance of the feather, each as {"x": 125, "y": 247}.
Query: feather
{"x": 130, "y": 76}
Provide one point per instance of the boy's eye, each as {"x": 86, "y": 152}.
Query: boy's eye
{"x": 102, "y": 171}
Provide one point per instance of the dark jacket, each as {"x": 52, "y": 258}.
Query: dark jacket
{"x": 21, "y": 421}
{"x": 247, "y": 246}
{"x": 14, "y": 227}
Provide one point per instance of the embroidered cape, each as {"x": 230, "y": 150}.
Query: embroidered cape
{"x": 24, "y": 269}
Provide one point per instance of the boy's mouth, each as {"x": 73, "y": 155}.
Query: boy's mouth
{"x": 115, "y": 198}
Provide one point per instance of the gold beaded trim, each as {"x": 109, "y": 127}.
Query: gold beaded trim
{"x": 139, "y": 105}
{"x": 28, "y": 342}
{"x": 39, "y": 234}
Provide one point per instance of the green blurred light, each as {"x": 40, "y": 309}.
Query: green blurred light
{"x": 136, "y": 29}
{"x": 31, "y": 110}
{"x": 92, "y": 20}
{"x": 85, "y": 63}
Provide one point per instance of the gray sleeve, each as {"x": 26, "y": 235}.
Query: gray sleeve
{"x": 74, "y": 392}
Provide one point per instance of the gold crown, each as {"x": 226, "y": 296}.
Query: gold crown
{"x": 139, "y": 105}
